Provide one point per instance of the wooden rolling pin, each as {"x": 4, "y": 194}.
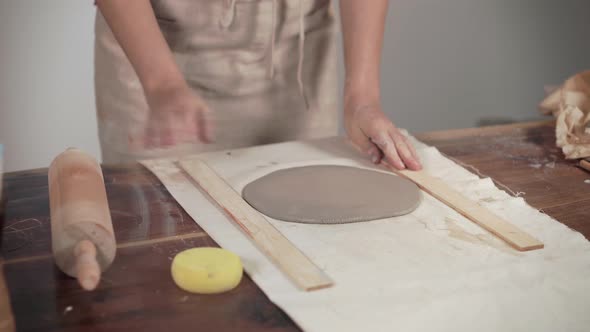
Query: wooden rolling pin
{"x": 6, "y": 316}
{"x": 82, "y": 234}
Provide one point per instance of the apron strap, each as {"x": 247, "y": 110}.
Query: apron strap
{"x": 228, "y": 16}
{"x": 273, "y": 40}
{"x": 301, "y": 54}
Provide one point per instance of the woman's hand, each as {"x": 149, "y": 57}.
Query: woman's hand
{"x": 363, "y": 25}
{"x": 177, "y": 115}
{"x": 373, "y": 133}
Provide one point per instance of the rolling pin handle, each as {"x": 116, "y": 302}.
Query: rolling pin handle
{"x": 87, "y": 268}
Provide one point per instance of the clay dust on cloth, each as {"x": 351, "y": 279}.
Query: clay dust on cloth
{"x": 430, "y": 270}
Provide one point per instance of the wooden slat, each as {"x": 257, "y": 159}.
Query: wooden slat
{"x": 299, "y": 268}
{"x": 6, "y": 316}
{"x": 473, "y": 211}
{"x": 489, "y": 131}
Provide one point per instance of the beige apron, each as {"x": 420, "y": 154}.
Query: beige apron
{"x": 266, "y": 68}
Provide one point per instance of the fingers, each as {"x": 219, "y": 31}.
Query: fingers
{"x": 204, "y": 125}
{"x": 371, "y": 150}
{"x": 386, "y": 144}
{"x": 397, "y": 151}
{"x": 186, "y": 127}
{"x": 158, "y": 137}
{"x": 195, "y": 126}
{"x": 151, "y": 137}
{"x": 375, "y": 154}
{"x": 176, "y": 116}
{"x": 168, "y": 136}
{"x": 405, "y": 150}
{"x": 367, "y": 147}
{"x": 414, "y": 154}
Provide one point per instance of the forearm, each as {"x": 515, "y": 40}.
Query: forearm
{"x": 363, "y": 25}
{"x": 135, "y": 27}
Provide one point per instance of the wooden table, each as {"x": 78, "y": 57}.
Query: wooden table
{"x": 137, "y": 292}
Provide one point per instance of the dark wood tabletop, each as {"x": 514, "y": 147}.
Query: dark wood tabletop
{"x": 137, "y": 292}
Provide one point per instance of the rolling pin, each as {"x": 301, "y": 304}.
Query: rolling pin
{"x": 6, "y": 316}
{"x": 82, "y": 236}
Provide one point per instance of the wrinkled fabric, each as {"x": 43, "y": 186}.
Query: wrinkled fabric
{"x": 570, "y": 104}
{"x": 429, "y": 270}
{"x": 226, "y": 50}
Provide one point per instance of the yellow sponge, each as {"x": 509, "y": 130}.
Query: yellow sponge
{"x": 206, "y": 270}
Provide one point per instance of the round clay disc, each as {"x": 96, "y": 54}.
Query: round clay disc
{"x": 329, "y": 194}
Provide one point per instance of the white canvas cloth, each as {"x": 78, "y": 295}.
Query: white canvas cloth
{"x": 431, "y": 270}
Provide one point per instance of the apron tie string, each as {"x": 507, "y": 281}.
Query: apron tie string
{"x": 301, "y": 54}
{"x": 273, "y": 40}
{"x": 228, "y": 16}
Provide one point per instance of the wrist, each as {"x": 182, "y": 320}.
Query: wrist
{"x": 362, "y": 88}
{"x": 158, "y": 81}
{"x": 361, "y": 97}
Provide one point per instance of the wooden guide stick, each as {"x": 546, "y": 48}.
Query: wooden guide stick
{"x": 299, "y": 268}
{"x": 473, "y": 211}
{"x": 585, "y": 164}
{"x": 83, "y": 240}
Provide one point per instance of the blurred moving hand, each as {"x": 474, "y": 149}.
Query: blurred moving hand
{"x": 177, "y": 116}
